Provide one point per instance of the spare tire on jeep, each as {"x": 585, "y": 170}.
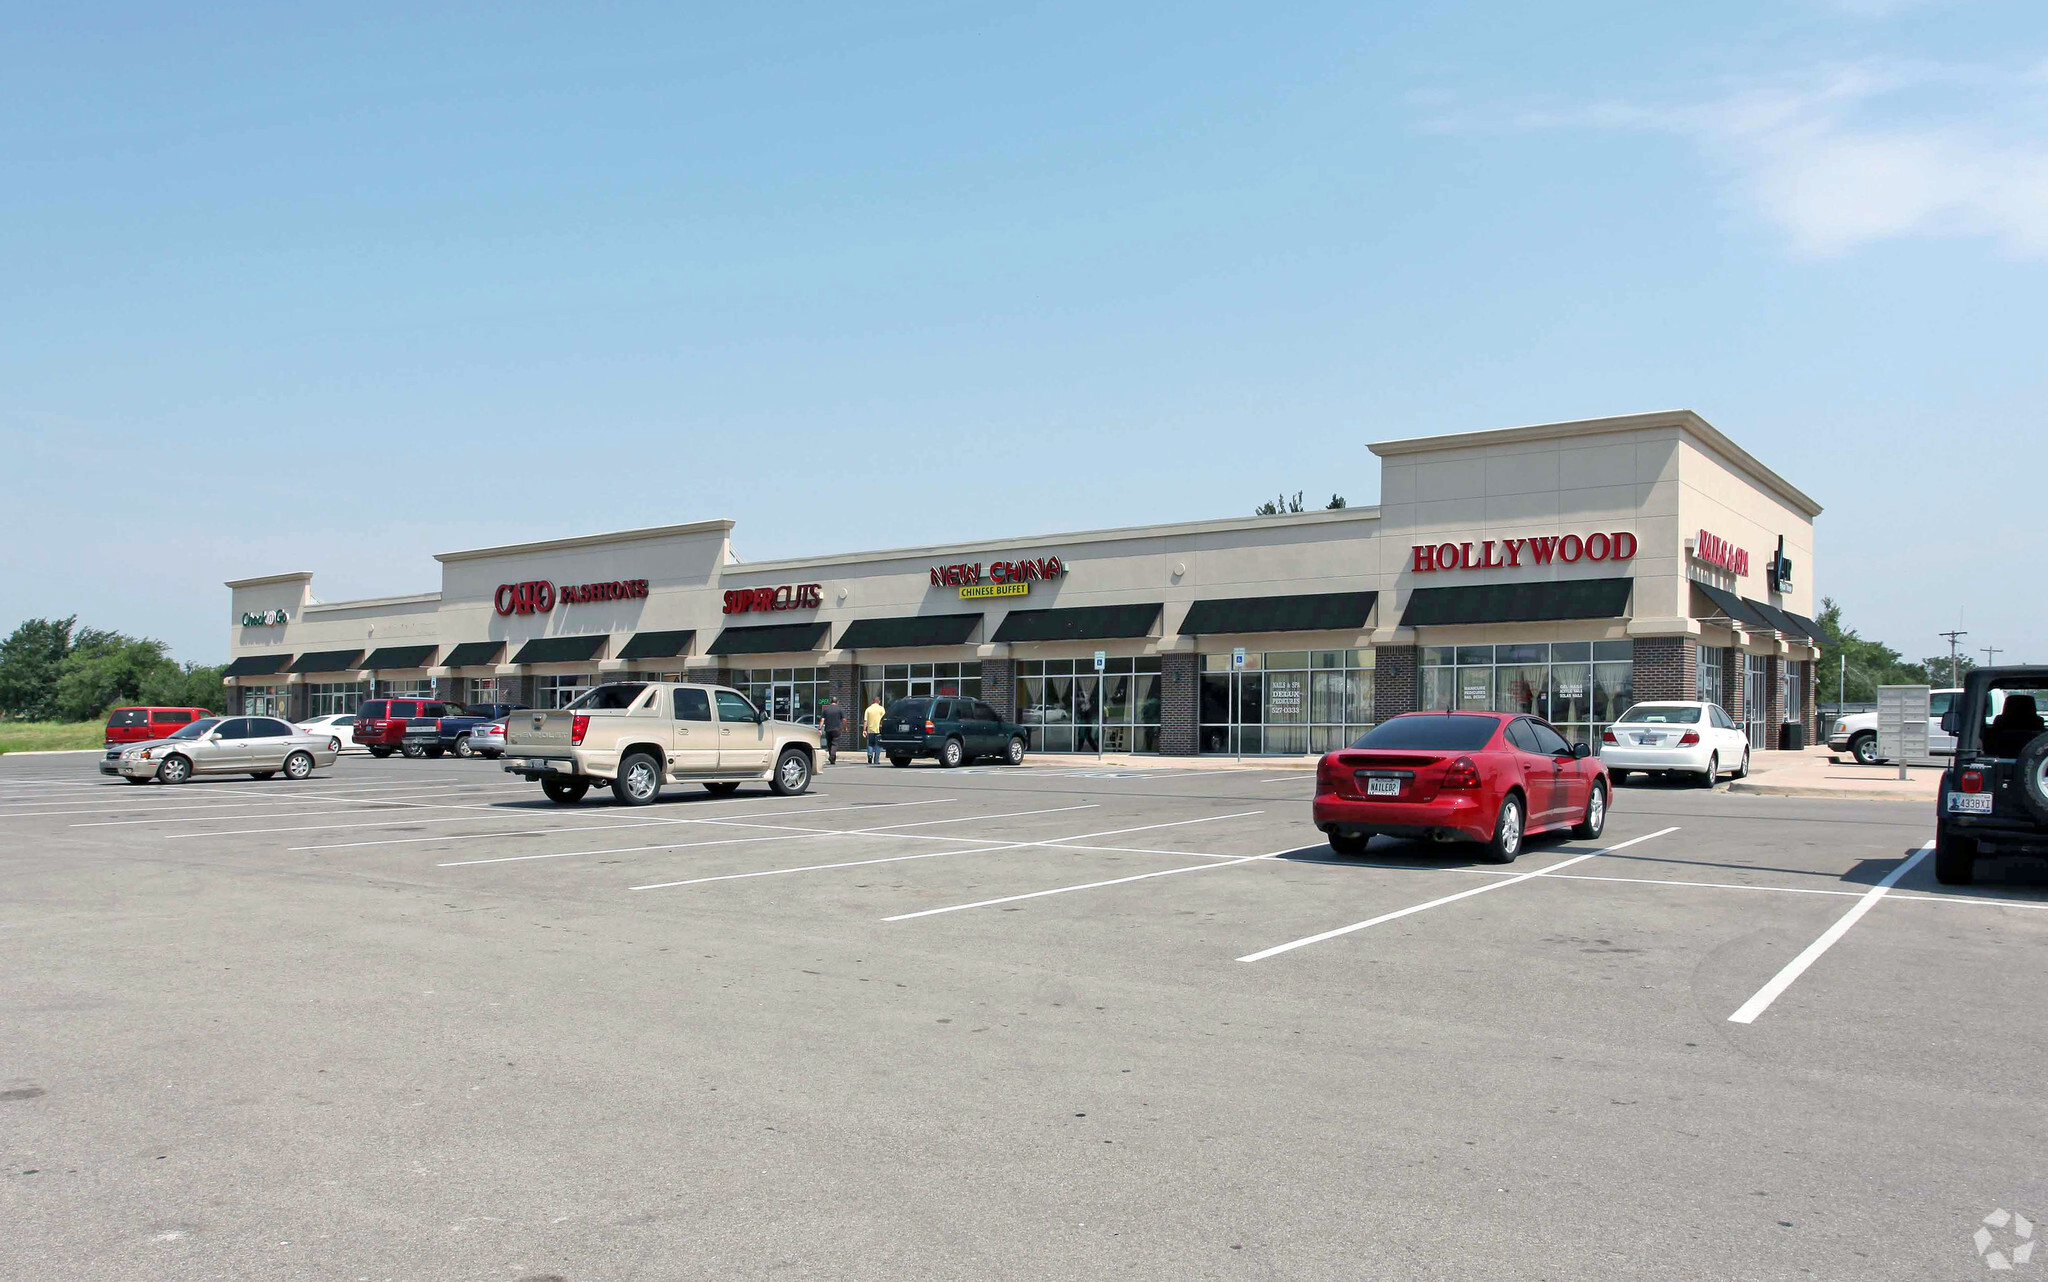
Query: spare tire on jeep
{"x": 2031, "y": 774}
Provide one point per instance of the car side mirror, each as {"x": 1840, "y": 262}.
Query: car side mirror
{"x": 1949, "y": 722}
{"x": 1582, "y": 749}
{"x": 213, "y": 736}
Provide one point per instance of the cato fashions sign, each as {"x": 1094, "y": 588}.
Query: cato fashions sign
{"x": 790, "y": 596}
{"x": 538, "y": 596}
{"x": 1496, "y": 554}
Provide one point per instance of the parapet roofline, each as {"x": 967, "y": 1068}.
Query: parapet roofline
{"x": 296, "y": 576}
{"x": 1117, "y": 535}
{"x": 721, "y": 526}
{"x": 1683, "y": 420}
{"x": 416, "y": 598}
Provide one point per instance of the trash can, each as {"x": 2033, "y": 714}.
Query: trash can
{"x": 1792, "y": 737}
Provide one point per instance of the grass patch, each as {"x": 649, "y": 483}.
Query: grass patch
{"x": 51, "y": 736}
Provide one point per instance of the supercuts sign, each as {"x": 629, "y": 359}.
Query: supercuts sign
{"x": 790, "y": 596}
{"x": 1548, "y": 549}
{"x": 538, "y": 596}
{"x": 968, "y": 573}
{"x": 1712, "y": 549}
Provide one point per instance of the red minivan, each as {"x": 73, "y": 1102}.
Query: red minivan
{"x": 140, "y": 725}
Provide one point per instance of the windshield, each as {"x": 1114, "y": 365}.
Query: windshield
{"x": 908, "y": 709}
{"x": 197, "y": 728}
{"x": 1663, "y": 715}
{"x": 611, "y": 697}
{"x": 1449, "y": 731}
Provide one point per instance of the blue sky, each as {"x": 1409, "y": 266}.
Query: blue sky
{"x": 335, "y": 291}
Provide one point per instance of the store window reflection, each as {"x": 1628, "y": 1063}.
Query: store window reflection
{"x": 1580, "y": 687}
{"x": 1285, "y": 701}
{"x": 1066, "y": 707}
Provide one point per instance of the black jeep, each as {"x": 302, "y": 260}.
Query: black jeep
{"x": 1994, "y": 798}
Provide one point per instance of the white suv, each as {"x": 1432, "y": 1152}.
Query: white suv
{"x": 1856, "y": 734}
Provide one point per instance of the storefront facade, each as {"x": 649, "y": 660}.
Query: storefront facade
{"x": 1565, "y": 569}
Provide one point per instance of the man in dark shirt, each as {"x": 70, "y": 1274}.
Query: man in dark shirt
{"x": 834, "y": 721}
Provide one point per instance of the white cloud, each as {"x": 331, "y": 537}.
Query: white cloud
{"x": 1851, "y": 156}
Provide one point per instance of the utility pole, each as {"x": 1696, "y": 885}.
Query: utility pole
{"x": 1955, "y": 673}
{"x": 1991, "y": 653}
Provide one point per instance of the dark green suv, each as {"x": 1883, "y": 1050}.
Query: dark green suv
{"x": 955, "y": 731}
{"x": 1994, "y": 798}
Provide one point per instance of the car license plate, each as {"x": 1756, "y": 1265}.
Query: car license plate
{"x": 1969, "y": 803}
{"x": 1651, "y": 739}
{"x": 903, "y": 727}
{"x": 1383, "y": 787}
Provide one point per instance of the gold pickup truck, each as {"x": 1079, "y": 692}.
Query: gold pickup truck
{"x": 636, "y": 736}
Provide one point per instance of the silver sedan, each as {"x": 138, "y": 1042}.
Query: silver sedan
{"x": 259, "y": 747}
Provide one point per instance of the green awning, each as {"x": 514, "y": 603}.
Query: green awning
{"x": 1079, "y": 623}
{"x": 560, "y": 649}
{"x": 1731, "y": 605}
{"x": 774, "y": 638}
{"x": 473, "y": 654}
{"x": 327, "y": 661}
{"x": 1305, "y": 612}
{"x": 1780, "y": 620}
{"x": 257, "y": 665}
{"x": 1518, "y": 602}
{"x": 400, "y": 657}
{"x": 657, "y": 645}
{"x": 908, "y": 630}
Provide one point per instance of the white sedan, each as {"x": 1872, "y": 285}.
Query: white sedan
{"x": 339, "y": 727}
{"x": 1697, "y": 739}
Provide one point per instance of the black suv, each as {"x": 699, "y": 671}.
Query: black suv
{"x": 956, "y": 731}
{"x": 1994, "y": 798}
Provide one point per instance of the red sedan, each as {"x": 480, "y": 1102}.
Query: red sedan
{"x": 1488, "y": 777}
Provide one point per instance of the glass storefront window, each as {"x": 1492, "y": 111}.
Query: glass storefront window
{"x": 1578, "y": 686}
{"x": 1711, "y": 683}
{"x": 1067, "y": 707}
{"x": 263, "y": 701}
{"x": 893, "y": 681}
{"x": 1285, "y": 701}
{"x": 787, "y": 694}
{"x": 332, "y": 698}
{"x": 408, "y": 688}
{"x": 560, "y": 691}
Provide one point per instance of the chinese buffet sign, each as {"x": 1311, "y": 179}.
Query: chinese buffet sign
{"x": 978, "y": 581}
{"x": 538, "y": 596}
{"x": 1496, "y": 554}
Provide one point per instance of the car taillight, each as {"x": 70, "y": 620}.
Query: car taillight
{"x": 578, "y": 727}
{"x": 1607, "y": 736}
{"x": 1688, "y": 739}
{"x": 1327, "y": 775}
{"x": 1461, "y": 774}
{"x": 929, "y": 728}
{"x": 1971, "y": 781}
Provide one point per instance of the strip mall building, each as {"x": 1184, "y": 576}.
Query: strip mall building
{"x": 1567, "y": 569}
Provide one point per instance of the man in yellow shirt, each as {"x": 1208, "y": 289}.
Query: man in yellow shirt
{"x": 871, "y": 722}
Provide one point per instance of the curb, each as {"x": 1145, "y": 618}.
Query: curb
{"x": 49, "y": 752}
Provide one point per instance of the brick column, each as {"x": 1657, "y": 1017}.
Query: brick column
{"x": 1667, "y": 668}
{"x": 517, "y": 690}
{"x": 999, "y": 686}
{"x": 1180, "y": 700}
{"x": 448, "y": 689}
{"x": 1396, "y": 685}
{"x": 1731, "y": 681}
{"x": 298, "y": 702}
{"x": 1773, "y": 713}
{"x": 845, "y": 679}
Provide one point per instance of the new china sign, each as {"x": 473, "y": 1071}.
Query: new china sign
{"x": 1496, "y": 554}
{"x": 790, "y": 596}
{"x": 538, "y": 596}
{"x": 1712, "y": 549}
{"x": 997, "y": 578}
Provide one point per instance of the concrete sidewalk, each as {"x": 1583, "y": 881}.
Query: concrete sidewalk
{"x": 1818, "y": 773}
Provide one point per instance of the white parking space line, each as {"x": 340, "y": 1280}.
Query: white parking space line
{"x": 1770, "y": 992}
{"x": 413, "y": 800}
{"x": 608, "y": 827}
{"x": 639, "y": 850}
{"x": 1412, "y": 909}
{"x": 1094, "y": 885}
{"x": 273, "y": 794}
{"x": 983, "y": 846}
{"x": 916, "y": 823}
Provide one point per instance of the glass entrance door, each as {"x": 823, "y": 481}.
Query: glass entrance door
{"x": 781, "y": 701}
{"x": 1753, "y": 701}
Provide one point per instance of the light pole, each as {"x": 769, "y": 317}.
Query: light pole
{"x": 1954, "y": 662}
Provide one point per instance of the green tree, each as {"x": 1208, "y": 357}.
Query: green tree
{"x": 1336, "y": 502}
{"x": 105, "y": 669}
{"x": 1870, "y": 663}
{"x": 30, "y": 658}
{"x": 194, "y": 685}
{"x": 1279, "y": 506}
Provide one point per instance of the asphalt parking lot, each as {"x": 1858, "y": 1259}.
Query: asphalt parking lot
{"x": 408, "y": 1020}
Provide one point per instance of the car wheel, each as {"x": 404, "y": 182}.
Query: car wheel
{"x": 1863, "y": 747}
{"x": 380, "y": 753}
{"x": 898, "y": 760}
{"x": 1013, "y": 754}
{"x": 1742, "y": 771}
{"x": 175, "y": 769}
{"x": 334, "y": 746}
{"x": 1595, "y": 821}
{"x": 723, "y": 788}
{"x": 2030, "y": 772}
{"x": 260, "y": 775}
{"x": 953, "y": 755}
{"x": 1349, "y": 843}
{"x": 462, "y": 748}
{"x": 1955, "y": 858}
{"x": 1507, "y": 834}
{"x": 639, "y": 781}
{"x": 414, "y": 750}
{"x": 1713, "y": 771}
{"x": 792, "y": 774}
{"x": 565, "y": 792}
{"x": 298, "y": 765}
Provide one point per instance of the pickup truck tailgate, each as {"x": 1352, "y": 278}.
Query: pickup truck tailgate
{"x": 529, "y": 729}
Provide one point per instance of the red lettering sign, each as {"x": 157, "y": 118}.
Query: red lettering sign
{"x": 1022, "y": 570}
{"x": 789, "y": 596}
{"x": 1712, "y": 549}
{"x": 538, "y": 596}
{"x": 1497, "y": 554}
